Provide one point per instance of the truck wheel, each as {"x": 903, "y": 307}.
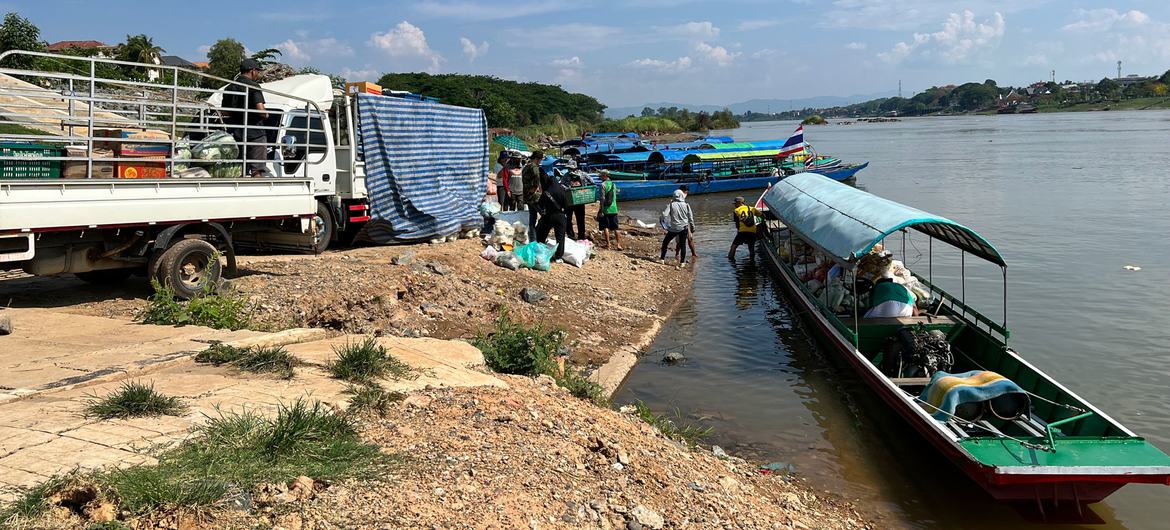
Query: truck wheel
{"x": 324, "y": 227}
{"x": 105, "y": 277}
{"x": 189, "y": 268}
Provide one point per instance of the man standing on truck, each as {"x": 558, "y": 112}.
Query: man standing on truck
{"x": 243, "y": 123}
{"x": 533, "y": 177}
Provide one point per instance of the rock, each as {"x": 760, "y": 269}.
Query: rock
{"x": 5, "y": 326}
{"x": 697, "y": 487}
{"x": 431, "y": 310}
{"x": 438, "y": 268}
{"x": 623, "y": 458}
{"x": 718, "y": 451}
{"x": 628, "y": 409}
{"x": 646, "y": 518}
{"x": 421, "y": 401}
{"x": 289, "y": 521}
{"x": 403, "y": 259}
{"x": 533, "y": 295}
{"x": 633, "y": 525}
{"x": 729, "y": 484}
{"x": 545, "y": 380}
{"x": 302, "y": 488}
{"x": 673, "y": 357}
{"x": 100, "y": 512}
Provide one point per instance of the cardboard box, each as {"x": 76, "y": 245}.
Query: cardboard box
{"x": 364, "y": 87}
{"x": 126, "y": 149}
{"x": 76, "y": 168}
{"x": 142, "y": 170}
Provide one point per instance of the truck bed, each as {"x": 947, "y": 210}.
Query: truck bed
{"x": 63, "y": 204}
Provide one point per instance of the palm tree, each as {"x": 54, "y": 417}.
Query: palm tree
{"x": 140, "y": 49}
{"x": 267, "y": 56}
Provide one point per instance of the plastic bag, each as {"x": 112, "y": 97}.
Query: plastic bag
{"x": 508, "y": 260}
{"x": 216, "y": 146}
{"x": 489, "y": 253}
{"x": 521, "y": 233}
{"x": 575, "y": 253}
{"x": 182, "y": 152}
{"x": 489, "y": 208}
{"x": 502, "y": 233}
{"x": 535, "y": 255}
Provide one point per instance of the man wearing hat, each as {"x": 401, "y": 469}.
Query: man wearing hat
{"x": 242, "y": 124}
{"x": 532, "y": 176}
{"x": 745, "y": 228}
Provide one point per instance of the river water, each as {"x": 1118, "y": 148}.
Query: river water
{"x": 1069, "y": 200}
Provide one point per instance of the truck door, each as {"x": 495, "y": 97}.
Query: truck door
{"x": 304, "y": 137}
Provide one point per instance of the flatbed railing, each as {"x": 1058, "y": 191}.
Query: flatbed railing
{"x": 68, "y": 116}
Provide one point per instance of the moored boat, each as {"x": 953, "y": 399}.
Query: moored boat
{"x": 947, "y": 370}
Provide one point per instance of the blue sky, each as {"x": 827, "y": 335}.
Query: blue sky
{"x": 636, "y": 51}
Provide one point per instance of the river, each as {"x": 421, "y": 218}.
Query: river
{"x": 1069, "y": 199}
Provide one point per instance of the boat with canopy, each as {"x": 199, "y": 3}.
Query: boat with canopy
{"x": 943, "y": 366}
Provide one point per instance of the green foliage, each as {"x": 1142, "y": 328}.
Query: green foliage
{"x": 683, "y": 119}
{"x": 208, "y": 309}
{"x": 583, "y": 388}
{"x": 371, "y": 397}
{"x": 255, "y": 359}
{"x": 134, "y": 400}
{"x": 238, "y": 451}
{"x": 670, "y": 426}
{"x": 815, "y": 119}
{"x": 32, "y": 502}
{"x": 224, "y": 58}
{"x": 506, "y": 103}
{"x": 514, "y": 348}
{"x": 19, "y": 33}
{"x": 267, "y": 56}
{"x": 367, "y": 361}
{"x": 641, "y": 125}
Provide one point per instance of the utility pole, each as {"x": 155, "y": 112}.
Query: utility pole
{"x": 899, "y": 88}
{"x": 1119, "y": 69}
{"x": 1054, "y": 76}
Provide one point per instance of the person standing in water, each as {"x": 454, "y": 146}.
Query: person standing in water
{"x": 677, "y": 219}
{"x": 745, "y": 228}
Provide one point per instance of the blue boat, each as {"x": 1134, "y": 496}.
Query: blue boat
{"x": 840, "y": 173}
{"x": 636, "y": 190}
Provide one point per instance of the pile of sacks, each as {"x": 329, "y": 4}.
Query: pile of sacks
{"x": 511, "y": 246}
{"x": 826, "y": 280}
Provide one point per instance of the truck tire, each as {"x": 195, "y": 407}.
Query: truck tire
{"x": 325, "y": 228}
{"x": 105, "y": 277}
{"x": 189, "y": 268}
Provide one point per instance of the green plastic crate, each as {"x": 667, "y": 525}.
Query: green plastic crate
{"x": 33, "y": 167}
{"x": 582, "y": 195}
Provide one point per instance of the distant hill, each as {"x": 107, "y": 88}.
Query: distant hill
{"x": 755, "y": 105}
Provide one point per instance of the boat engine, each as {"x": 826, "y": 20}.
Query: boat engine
{"x": 915, "y": 351}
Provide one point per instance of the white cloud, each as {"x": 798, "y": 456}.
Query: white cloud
{"x": 716, "y": 54}
{"x": 765, "y": 53}
{"x": 406, "y": 41}
{"x": 353, "y": 75}
{"x": 1098, "y": 20}
{"x": 301, "y": 52}
{"x": 568, "y": 62}
{"x": 1037, "y": 59}
{"x": 575, "y": 36}
{"x": 681, "y": 64}
{"x": 911, "y": 15}
{"x": 960, "y": 38}
{"x": 690, "y": 30}
{"x": 751, "y": 25}
{"x": 856, "y": 46}
{"x": 491, "y": 10}
{"x": 473, "y": 51}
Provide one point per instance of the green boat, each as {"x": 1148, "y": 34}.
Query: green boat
{"x": 1016, "y": 431}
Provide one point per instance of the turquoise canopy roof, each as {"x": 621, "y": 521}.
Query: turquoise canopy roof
{"x": 847, "y": 222}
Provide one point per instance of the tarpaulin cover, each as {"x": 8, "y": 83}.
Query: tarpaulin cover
{"x": 847, "y": 222}
{"x": 426, "y": 167}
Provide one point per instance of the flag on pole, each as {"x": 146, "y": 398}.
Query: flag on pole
{"x": 760, "y": 202}
{"x": 795, "y": 143}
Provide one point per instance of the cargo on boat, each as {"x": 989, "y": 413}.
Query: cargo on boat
{"x": 943, "y": 366}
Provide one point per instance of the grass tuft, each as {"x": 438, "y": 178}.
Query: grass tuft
{"x": 208, "y": 309}
{"x": 516, "y": 348}
{"x": 371, "y": 398}
{"x": 33, "y": 502}
{"x": 671, "y": 427}
{"x": 134, "y": 399}
{"x": 367, "y": 361}
{"x": 255, "y": 359}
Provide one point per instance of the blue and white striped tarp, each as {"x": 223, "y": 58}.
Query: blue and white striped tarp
{"x": 426, "y": 167}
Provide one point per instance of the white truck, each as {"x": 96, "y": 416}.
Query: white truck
{"x": 75, "y": 146}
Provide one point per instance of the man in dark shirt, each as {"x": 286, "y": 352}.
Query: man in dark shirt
{"x": 553, "y": 203}
{"x": 533, "y": 176}
{"x": 244, "y": 123}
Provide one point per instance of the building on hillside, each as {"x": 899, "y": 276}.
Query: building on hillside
{"x": 175, "y": 60}
{"x": 201, "y": 65}
{"x": 98, "y": 48}
{"x": 1133, "y": 79}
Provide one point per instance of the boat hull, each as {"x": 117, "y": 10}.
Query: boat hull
{"x": 636, "y": 190}
{"x": 841, "y": 173}
{"x": 1053, "y": 485}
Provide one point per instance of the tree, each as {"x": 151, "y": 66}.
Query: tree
{"x": 19, "y": 33}
{"x": 139, "y": 49}
{"x": 989, "y": 82}
{"x": 267, "y": 56}
{"x": 224, "y": 58}
{"x": 1107, "y": 88}
{"x": 647, "y": 112}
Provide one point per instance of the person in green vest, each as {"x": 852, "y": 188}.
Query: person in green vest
{"x": 607, "y": 211}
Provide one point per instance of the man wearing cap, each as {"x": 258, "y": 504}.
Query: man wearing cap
{"x": 745, "y": 228}
{"x": 243, "y": 124}
{"x": 532, "y": 176}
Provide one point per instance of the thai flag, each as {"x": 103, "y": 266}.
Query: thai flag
{"x": 795, "y": 143}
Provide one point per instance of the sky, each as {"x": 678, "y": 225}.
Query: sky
{"x": 631, "y": 52}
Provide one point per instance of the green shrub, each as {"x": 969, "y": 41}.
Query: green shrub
{"x": 670, "y": 427}
{"x": 583, "y": 388}
{"x": 514, "y": 348}
{"x": 371, "y": 397}
{"x": 32, "y": 502}
{"x": 255, "y": 359}
{"x": 208, "y": 309}
{"x": 134, "y": 400}
{"x": 367, "y": 361}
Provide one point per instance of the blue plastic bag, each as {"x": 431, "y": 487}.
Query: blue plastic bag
{"x": 535, "y": 255}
